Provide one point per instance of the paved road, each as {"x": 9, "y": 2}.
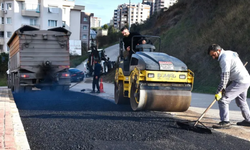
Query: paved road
{"x": 75, "y": 120}
{"x": 198, "y": 105}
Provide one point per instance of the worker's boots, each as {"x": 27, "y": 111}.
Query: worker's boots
{"x": 222, "y": 125}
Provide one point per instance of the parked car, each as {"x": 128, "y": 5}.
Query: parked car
{"x": 76, "y": 75}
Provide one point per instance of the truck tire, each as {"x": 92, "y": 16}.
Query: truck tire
{"x": 17, "y": 87}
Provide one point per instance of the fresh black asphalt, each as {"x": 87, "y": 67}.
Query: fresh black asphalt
{"x": 80, "y": 121}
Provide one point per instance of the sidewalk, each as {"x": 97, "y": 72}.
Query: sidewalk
{"x": 12, "y": 134}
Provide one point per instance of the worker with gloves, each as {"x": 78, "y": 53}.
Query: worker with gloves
{"x": 234, "y": 71}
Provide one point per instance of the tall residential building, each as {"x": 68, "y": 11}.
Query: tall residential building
{"x": 42, "y": 14}
{"x": 115, "y": 21}
{"x": 152, "y": 5}
{"x": 163, "y": 4}
{"x": 130, "y": 14}
{"x": 95, "y": 22}
{"x": 85, "y": 28}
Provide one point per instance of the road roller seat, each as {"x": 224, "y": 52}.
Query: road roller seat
{"x": 136, "y": 61}
{"x": 145, "y": 47}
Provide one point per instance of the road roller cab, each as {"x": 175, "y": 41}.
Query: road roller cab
{"x": 154, "y": 80}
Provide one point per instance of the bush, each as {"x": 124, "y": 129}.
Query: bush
{"x": 4, "y": 58}
{"x": 3, "y": 80}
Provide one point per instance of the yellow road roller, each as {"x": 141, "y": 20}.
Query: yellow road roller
{"x": 152, "y": 80}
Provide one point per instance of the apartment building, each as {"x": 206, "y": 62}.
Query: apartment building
{"x": 152, "y": 5}
{"x": 163, "y": 4}
{"x": 115, "y": 21}
{"x": 95, "y": 22}
{"x": 130, "y": 13}
{"x": 42, "y": 14}
{"x": 85, "y": 28}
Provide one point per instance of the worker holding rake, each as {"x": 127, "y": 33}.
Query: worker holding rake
{"x": 234, "y": 71}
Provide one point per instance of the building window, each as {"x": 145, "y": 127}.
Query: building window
{"x": 9, "y": 34}
{"x": 52, "y": 23}
{"x": 84, "y": 36}
{"x": 2, "y": 20}
{"x": 63, "y": 24}
{"x": 84, "y": 27}
{"x": 1, "y": 34}
{"x": 9, "y": 21}
{"x": 2, "y": 6}
{"x": 8, "y": 6}
{"x": 85, "y": 19}
{"x": 33, "y": 22}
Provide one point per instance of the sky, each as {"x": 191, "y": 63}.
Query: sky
{"x": 103, "y": 9}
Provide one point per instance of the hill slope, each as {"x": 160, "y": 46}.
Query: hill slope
{"x": 190, "y": 26}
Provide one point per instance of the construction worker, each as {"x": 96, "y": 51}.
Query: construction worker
{"x": 234, "y": 71}
{"x": 97, "y": 73}
{"x": 128, "y": 39}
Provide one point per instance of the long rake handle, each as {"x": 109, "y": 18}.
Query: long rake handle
{"x": 205, "y": 112}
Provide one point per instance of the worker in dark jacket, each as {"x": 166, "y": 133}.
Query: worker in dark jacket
{"x": 97, "y": 73}
{"x": 128, "y": 39}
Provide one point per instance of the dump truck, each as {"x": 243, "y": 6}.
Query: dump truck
{"x": 152, "y": 80}
{"x": 39, "y": 59}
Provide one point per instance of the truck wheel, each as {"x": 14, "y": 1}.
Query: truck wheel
{"x": 119, "y": 98}
{"x": 17, "y": 87}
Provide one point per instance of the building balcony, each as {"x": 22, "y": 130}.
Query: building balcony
{"x": 79, "y": 7}
{"x": 30, "y": 10}
{"x": 29, "y": 13}
{"x": 70, "y": 3}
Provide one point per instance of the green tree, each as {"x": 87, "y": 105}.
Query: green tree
{"x": 4, "y": 58}
{"x": 105, "y": 27}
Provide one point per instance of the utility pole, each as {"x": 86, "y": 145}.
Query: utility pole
{"x": 129, "y": 17}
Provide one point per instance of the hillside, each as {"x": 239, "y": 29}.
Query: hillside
{"x": 190, "y": 26}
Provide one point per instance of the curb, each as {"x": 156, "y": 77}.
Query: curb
{"x": 19, "y": 132}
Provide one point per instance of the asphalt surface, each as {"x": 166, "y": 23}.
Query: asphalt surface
{"x": 74, "y": 120}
